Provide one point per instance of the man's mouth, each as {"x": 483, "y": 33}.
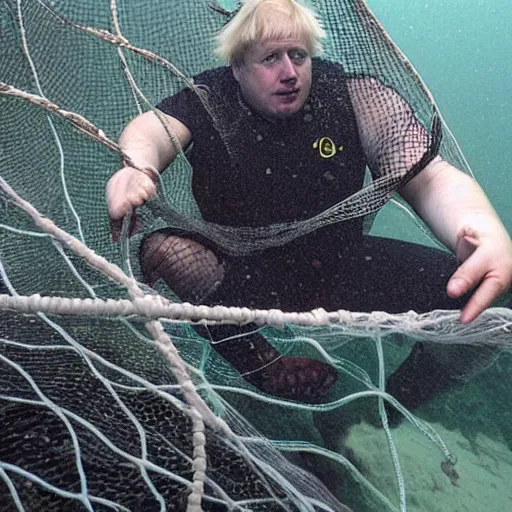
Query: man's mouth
{"x": 288, "y": 96}
{"x": 287, "y": 92}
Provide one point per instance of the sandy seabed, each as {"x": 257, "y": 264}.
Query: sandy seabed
{"x": 484, "y": 467}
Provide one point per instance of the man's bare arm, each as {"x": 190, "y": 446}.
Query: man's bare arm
{"x": 450, "y": 202}
{"x": 458, "y": 212}
{"x": 147, "y": 143}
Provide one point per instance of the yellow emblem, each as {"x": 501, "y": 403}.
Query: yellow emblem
{"x": 326, "y": 147}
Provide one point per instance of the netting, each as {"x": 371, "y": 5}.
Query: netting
{"x": 114, "y": 394}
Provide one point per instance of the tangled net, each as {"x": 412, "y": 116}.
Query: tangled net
{"x": 109, "y": 400}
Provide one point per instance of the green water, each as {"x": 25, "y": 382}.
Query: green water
{"x": 462, "y": 49}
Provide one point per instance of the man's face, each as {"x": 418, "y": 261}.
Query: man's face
{"x": 275, "y": 77}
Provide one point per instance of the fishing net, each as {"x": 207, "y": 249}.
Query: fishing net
{"x": 113, "y": 394}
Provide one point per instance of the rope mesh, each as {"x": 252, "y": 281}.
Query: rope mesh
{"x": 110, "y": 396}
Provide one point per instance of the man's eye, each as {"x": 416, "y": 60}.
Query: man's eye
{"x": 298, "y": 55}
{"x": 270, "y": 58}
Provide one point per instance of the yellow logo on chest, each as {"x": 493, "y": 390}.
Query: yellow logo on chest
{"x": 326, "y": 147}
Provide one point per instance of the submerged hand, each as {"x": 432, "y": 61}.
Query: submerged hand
{"x": 127, "y": 189}
{"x": 486, "y": 266}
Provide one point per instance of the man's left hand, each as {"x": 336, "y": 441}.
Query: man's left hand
{"x": 486, "y": 267}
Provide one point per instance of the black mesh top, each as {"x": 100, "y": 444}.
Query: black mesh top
{"x": 248, "y": 171}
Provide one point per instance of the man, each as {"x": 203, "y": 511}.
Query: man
{"x": 260, "y": 158}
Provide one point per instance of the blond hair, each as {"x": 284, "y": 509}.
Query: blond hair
{"x": 262, "y": 20}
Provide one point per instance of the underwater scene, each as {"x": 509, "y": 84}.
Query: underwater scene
{"x": 265, "y": 325}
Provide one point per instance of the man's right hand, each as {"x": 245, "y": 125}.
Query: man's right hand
{"x": 127, "y": 189}
{"x": 145, "y": 140}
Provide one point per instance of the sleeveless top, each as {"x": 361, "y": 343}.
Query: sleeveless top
{"x": 249, "y": 171}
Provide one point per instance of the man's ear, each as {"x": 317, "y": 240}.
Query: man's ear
{"x": 236, "y": 68}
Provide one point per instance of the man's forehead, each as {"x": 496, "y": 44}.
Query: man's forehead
{"x": 283, "y": 44}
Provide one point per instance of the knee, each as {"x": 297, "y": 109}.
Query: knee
{"x": 190, "y": 269}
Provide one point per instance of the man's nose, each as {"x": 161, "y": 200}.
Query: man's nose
{"x": 288, "y": 71}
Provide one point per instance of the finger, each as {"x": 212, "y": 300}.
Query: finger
{"x": 135, "y": 200}
{"x": 467, "y": 276}
{"x": 490, "y": 289}
{"x": 466, "y": 246}
{"x": 146, "y": 189}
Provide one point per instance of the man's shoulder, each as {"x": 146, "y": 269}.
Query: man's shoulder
{"x": 324, "y": 68}
{"x": 329, "y": 80}
{"x": 215, "y": 78}
{"x": 186, "y": 104}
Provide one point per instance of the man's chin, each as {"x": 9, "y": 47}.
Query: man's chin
{"x": 288, "y": 111}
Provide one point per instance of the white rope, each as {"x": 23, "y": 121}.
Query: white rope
{"x": 113, "y": 272}
{"x": 387, "y": 430}
{"x": 439, "y": 326}
{"x": 58, "y": 142}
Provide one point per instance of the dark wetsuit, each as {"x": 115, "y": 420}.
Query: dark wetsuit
{"x": 248, "y": 171}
